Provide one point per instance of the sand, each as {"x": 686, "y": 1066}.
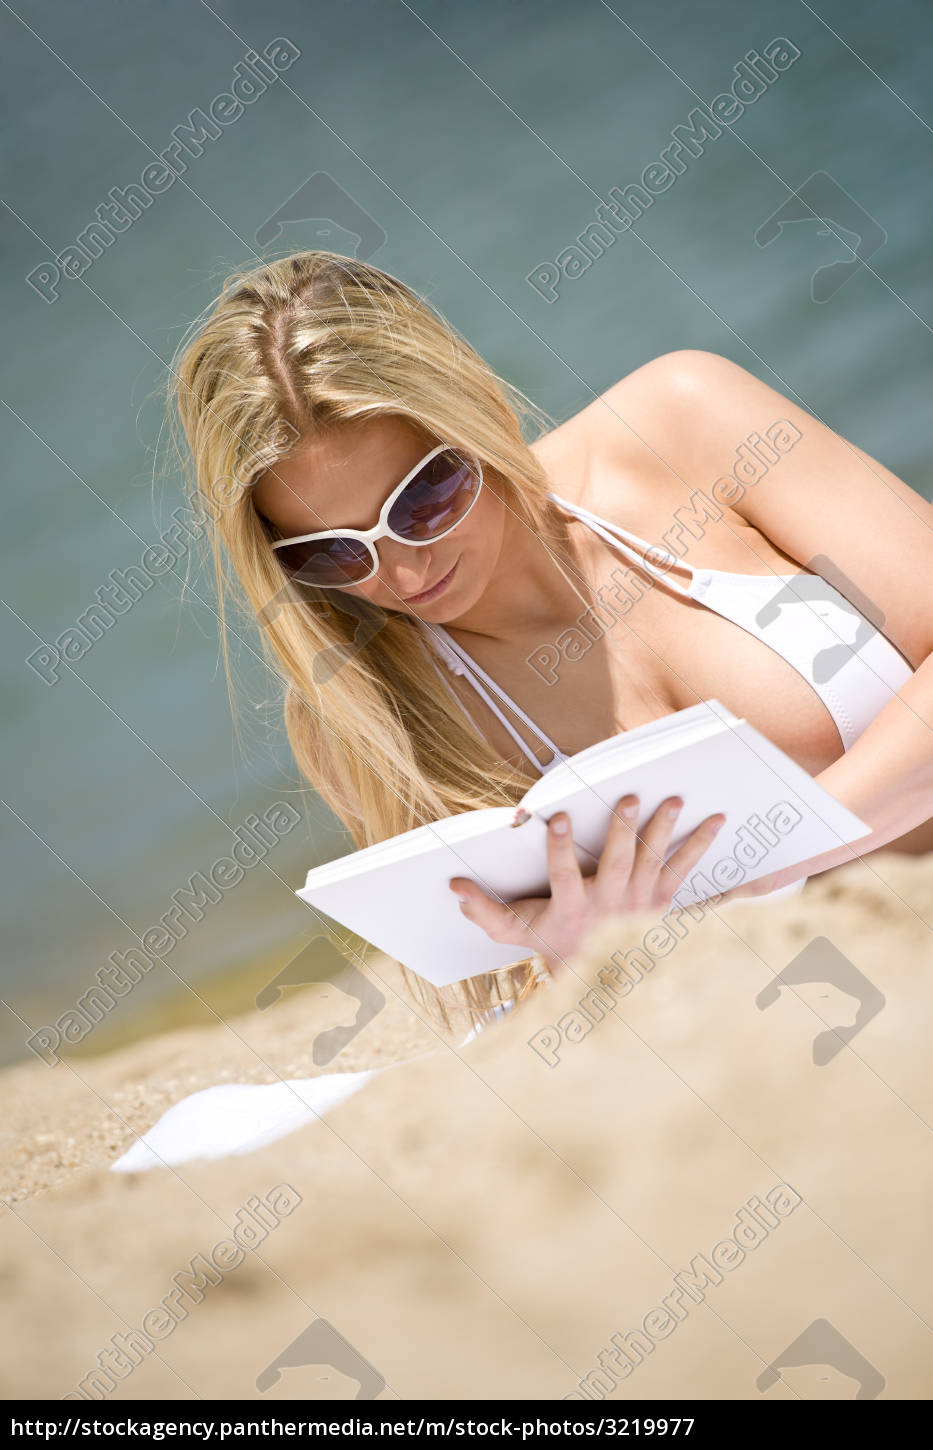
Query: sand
{"x": 586, "y": 1201}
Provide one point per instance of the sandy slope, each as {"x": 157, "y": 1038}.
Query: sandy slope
{"x": 483, "y": 1223}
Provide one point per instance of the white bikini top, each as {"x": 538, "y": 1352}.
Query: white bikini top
{"x": 850, "y": 664}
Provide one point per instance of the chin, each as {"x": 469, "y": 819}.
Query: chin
{"x": 458, "y": 600}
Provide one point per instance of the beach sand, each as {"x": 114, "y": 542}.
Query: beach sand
{"x": 585, "y": 1201}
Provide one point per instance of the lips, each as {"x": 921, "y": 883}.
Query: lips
{"x": 435, "y": 589}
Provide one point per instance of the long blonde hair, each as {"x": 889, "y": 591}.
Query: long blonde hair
{"x": 292, "y": 349}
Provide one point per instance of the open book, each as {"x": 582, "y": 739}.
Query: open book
{"x": 396, "y": 894}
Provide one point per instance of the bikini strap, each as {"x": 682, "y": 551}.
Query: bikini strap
{"x": 635, "y": 549}
{"x": 460, "y": 663}
{"x": 432, "y": 661}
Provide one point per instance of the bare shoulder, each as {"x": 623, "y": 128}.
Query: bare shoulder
{"x": 692, "y": 418}
{"x": 664, "y": 425}
{"x": 693, "y": 428}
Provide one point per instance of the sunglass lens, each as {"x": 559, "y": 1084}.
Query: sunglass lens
{"x": 436, "y": 499}
{"x": 326, "y": 562}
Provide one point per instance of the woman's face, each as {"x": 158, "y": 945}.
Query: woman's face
{"x": 342, "y": 480}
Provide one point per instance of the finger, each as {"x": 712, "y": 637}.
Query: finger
{"x": 496, "y": 918}
{"x": 691, "y": 850}
{"x": 654, "y": 840}
{"x": 618, "y": 853}
{"x": 564, "y": 874}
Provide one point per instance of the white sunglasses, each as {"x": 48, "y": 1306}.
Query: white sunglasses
{"x": 427, "y": 505}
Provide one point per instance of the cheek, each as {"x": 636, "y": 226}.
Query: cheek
{"x": 480, "y": 547}
{"x": 485, "y": 526}
{"x": 371, "y": 591}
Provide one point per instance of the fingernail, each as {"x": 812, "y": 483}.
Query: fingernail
{"x": 560, "y": 825}
{"x": 631, "y": 810}
{"x": 673, "y": 811}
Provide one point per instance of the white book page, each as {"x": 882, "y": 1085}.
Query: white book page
{"x": 776, "y": 813}
{"x": 413, "y": 844}
{"x": 616, "y": 758}
{"x": 396, "y": 895}
{"x": 404, "y": 905}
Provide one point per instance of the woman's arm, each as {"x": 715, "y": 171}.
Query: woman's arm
{"x": 828, "y": 498}
{"x": 825, "y": 498}
{"x": 886, "y": 778}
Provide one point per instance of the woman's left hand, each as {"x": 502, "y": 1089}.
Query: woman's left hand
{"x": 634, "y": 875}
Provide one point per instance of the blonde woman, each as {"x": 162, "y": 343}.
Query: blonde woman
{"x": 496, "y": 605}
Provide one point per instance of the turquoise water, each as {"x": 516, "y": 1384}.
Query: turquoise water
{"x": 479, "y": 139}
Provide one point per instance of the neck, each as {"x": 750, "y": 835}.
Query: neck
{"x": 527, "y": 592}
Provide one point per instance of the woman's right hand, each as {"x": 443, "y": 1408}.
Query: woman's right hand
{"x": 632, "y": 876}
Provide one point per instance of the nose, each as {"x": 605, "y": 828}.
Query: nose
{"x": 403, "y": 569}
